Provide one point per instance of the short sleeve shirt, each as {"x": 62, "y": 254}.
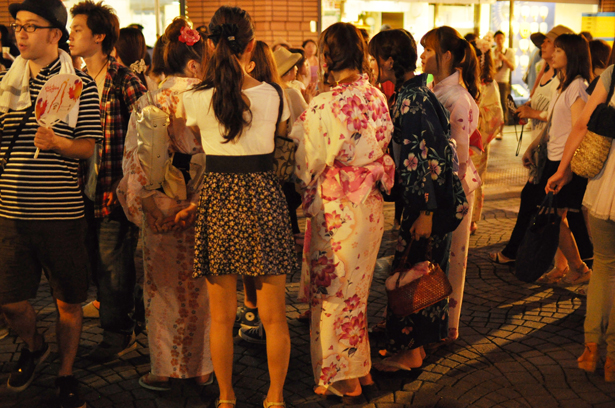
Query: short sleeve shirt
{"x": 561, "y": 121}
{"x": 606, "y": 76}
{"x": 45, "y": 188}
{"x": 257, "y": 138}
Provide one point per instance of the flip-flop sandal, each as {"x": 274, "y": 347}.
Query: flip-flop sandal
{"x": 332, "y": 392}
{"x": 498, "y": 258}
{"x": 154, "y": 385}
{"x": 553, "y": 276}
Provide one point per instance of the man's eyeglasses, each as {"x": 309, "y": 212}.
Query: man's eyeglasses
{"x": 28, "y": 28}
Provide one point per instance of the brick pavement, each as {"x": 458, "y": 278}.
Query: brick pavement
{"x": 517, "y": 348}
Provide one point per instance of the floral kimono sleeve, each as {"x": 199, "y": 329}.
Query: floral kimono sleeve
{"x": 132, "y": 186}
{"x": 422, "y": 135}
{"x": 310, "y": 133}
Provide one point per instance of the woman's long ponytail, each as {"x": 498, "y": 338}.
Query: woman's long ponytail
{"x": 231, "y": 30}
{"x": 470, "y": 70}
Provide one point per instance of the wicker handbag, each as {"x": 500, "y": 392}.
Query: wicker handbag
{"x": 590, "y": 156}
{"x": 420, "y": 293}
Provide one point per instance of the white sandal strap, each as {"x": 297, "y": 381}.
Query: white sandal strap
{"x": 273, "y": 404}
{"x": 220, "y": 402}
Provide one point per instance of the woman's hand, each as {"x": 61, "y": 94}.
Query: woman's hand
{"x": 185, "y": 218}
{"x": 558, "y": 180}
{"x": 421, "y": 228}
{"x": 525, "y": 112}
{"x": 154, "y": 217}
{"x": 528, "y": 156}
{"x": 309, "y": 92}
{"x": 527, "y": 159}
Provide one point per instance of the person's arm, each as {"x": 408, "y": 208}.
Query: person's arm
{"x": 508, "y": 60}
{"x": 524, "y": 111}
{"x": 563, "y": 174}
{"x": 87, "y": 130}
{"x": 46, "y": 139}
{"x": 419, "y": 192}
{"x": 459, "y": 132}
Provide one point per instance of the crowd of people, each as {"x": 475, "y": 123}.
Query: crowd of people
{"x": 178, "y": 148}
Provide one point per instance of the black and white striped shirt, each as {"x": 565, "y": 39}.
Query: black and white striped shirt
{"x": 45, "y": 188}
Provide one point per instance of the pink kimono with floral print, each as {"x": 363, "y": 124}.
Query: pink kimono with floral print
{"x": 176, "y": 305}
{"x": 341, "y": 162}
{"x": 464, "y": 121}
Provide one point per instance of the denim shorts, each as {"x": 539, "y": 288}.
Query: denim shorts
{"x": 56, "y": 248}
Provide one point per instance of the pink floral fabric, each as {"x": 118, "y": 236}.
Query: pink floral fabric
{"x": 341, "y": 162}
{"x": 176, "y": 305}
{"x": 464, "y": 121}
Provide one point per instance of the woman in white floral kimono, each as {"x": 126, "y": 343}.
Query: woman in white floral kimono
{"x": 176, "y": 305}
{"x": 341, "y": 162}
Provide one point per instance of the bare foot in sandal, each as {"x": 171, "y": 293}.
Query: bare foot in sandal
{"x": 498, "y": 258}
{"x": 553, "y": 276}
{"x": 577, "y": 276}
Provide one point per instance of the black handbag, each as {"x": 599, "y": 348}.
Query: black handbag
{"x": 539, "y": 244}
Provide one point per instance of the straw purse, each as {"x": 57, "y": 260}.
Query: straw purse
{"x": 590, "y": 156}
{"x": 420, "y": 293}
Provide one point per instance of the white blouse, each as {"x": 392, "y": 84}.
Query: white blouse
{"x": 258, "y": 138}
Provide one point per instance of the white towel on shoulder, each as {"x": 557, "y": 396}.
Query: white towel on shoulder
{"x": 15, "y": 86}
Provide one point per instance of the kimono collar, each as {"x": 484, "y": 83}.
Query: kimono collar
{"x": 415, "y": 81}
{"x": 451, "y": 80}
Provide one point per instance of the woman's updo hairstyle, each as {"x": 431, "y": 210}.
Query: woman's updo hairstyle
{"x": 444, "y": 39}
{"x": 182, "y": 45}
{"x": 396, "y": 44}
{"x": 342, "y": 47}
{"x": 230, "y": 30}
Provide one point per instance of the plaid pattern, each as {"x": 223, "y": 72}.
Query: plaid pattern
{"x": 120, "y": 82}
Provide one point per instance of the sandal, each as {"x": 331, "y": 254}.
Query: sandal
{"x": 582, "y": 277}
{"x": 273, "y": 404}
{"x": 498, "y": 258}
{"x": 553, "y": 276}
{"x": 154, "y": 385}
{"x": 331, "y": 391}
{"x": 219, "y": 402}
{"x": 582, "y": 290}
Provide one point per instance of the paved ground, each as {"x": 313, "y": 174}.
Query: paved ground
{"x": 517, "y": 348}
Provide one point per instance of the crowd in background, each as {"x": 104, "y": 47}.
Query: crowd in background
{"x": 179, "y": 155}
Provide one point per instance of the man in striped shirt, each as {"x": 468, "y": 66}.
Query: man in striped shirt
{"x": 42, "y": 226}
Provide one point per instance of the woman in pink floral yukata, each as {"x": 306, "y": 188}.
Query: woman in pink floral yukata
{"x": 176, "y": 305}
{"x": 341, "y": 162}
{"x": 452, "y": 61}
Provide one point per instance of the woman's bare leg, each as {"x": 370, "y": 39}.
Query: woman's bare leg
{"x": 223, "y": 307}
{"x": 270, "y": 292}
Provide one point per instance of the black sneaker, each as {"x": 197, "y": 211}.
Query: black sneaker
{"x": 113, "y": 346}
{"x": 27, "y": 364}
{"x": 247, "y": 317}
{"x": 68, "y": 392}
{"x": 254, "y": 335}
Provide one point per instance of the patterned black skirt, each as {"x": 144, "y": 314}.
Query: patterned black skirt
{"x": 243, "y": 226}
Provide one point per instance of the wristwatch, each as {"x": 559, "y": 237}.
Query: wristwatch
{"x": 426, "y": 212}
